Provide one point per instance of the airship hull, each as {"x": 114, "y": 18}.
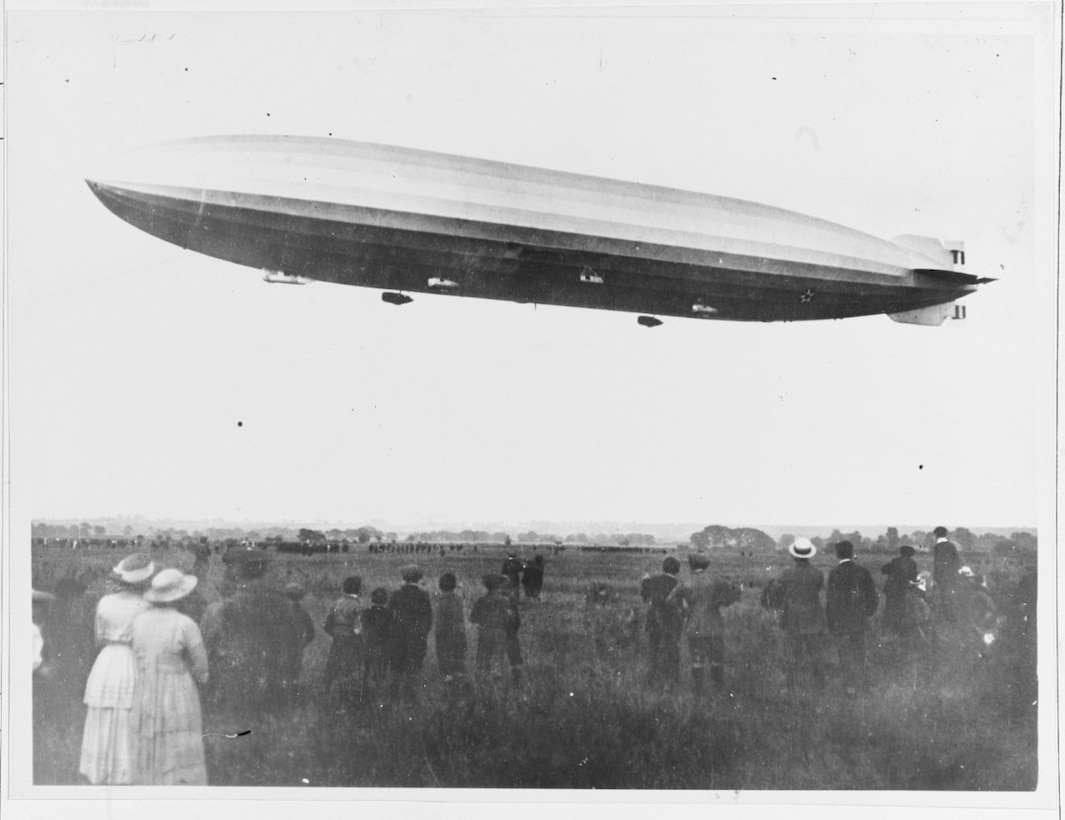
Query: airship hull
{"x": 402, "y": 220}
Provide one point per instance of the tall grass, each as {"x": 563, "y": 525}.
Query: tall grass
{"x": 585, "y": 717}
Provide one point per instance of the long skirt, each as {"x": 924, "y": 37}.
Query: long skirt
{"x": 105, "y": 743}
{"x": 167, "y": 730}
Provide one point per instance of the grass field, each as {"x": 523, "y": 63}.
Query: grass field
{"x": 584, "y": 717}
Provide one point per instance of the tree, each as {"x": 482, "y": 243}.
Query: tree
{"x": 963, "y": 538}
{"x": 785, "y": 541}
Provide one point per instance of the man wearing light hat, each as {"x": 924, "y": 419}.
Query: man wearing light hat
{"x": 803, "y": 618}
{"x": 252, "y": 640}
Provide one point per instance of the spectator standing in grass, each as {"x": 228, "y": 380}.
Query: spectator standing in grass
{"x": 945, "y": 574}
{"x": 803, "y": 617}
{"x": 496, "y": 617}
{"x": 346, "y": 659}
{"x": 450, "y": 630}
{"x": 699, "y": 600}
{"x": 251, "y": 639}
{"x": 413, "y": 613}
{"x": 851, "y": 602}
{"x": 294, "y": 592}
{"x": 532, "y": 577}
{"x": 378, "y": 625}
{"x": 105, "y": 744}
{"x": 166, "y": 722}
{"x": 901, "y": 575}
{"x": 663, "y": 623}
{"x": 512, "y": 568}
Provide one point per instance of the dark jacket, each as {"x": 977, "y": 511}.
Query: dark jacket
{"x": 662, "y": 618}
{"x": 900, "y": 572}
{"x": 413, "y": 613}
{"x": 946, "y": 563}
{"x": 851, "y": 599}
{"x": 803, "y": 613}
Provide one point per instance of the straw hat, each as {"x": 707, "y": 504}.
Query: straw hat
{"x": 802, "y": 548}
{"x": 135, "y": 568}
{"x": 170, "y": 585}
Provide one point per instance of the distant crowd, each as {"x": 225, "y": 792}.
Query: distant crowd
{"x": 167, "y": 657}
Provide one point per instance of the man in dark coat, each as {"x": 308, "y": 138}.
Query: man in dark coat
{"x": 901, "y": 575}
{"x": 851, "y": 601}
{"x": 532, "y": 577}
{"x": 663, "y": 623}
{"x": 945, "y": 574}
{"x": 512, "y": 568}
{"x": 803, "y": 617}
{"x": 252, "y": 641}
{"x": 413, "y": 619}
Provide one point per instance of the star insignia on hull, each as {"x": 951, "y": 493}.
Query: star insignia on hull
{"x": 807, "y": 297}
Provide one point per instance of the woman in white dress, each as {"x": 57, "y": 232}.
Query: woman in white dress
{"x": 105, "y": 750}
{"x": 167, "y": 722}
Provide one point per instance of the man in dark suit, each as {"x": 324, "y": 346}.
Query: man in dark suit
{"x": 945, "y": 574}
{"x": 413, "y": 619}
{"x": 851, "y": 601}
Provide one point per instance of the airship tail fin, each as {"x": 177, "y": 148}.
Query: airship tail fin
{"x": 934, "y": 315}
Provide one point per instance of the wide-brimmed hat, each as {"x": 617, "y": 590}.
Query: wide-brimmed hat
{"x": 135, "y": 568}
{"x": 802, "y": 548}
{"x": 170, "y": 585}
{"x": 411, "y": 573}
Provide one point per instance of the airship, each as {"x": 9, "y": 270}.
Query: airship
{"x": 409, "y": 221}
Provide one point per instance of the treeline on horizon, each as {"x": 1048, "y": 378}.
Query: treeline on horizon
{"x": 744, "y": 539}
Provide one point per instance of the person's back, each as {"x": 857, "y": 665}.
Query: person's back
{"x": 851, "y": 598}
{"x": 413, "y": 613}
{"x": 803, "y": 612}
{"x": 901, "y": 572}
{"x": 252, "y": 642}
{"x": 450, "y": 630}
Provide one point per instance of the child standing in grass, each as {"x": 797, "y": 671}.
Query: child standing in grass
{"x": 377, "y": 627}
{"x": 496, "y": 615}
{"x": 344, "y": 626}
{"x": 450, "y": 631}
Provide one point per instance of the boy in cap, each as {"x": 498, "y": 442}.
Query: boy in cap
{"x": 700, "y": 599}
{"x": 413, "y": 613}
{"x": 450, "y": 630}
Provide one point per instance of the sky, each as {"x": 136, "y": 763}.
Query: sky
{"x": 148, "y": 380}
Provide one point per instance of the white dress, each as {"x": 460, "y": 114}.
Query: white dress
{"x": 105, "y": 747}
{"x": 167, "y": 723}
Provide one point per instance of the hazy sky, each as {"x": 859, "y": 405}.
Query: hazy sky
{"x": 132, "y": 362}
